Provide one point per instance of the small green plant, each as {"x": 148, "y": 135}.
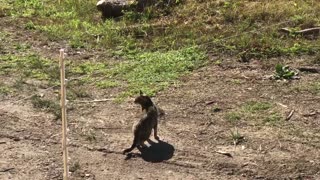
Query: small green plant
{"x": 107, "y": 84}
{"x": 233, "y": 117}
{"x": 4, "y": 89}
{"x": 30, "y": 26}
{"x": 236, "y": 81}
{"x": 89, "y": 136}
{"x": 316, "y": 59}
{"x": 74, "y": 166}
{"x": 236, "y": 137}
{"x": 253, "y": 106}
{"x": 216, "y": 109}
{"x": 272, "y": 119}
{"x": 315, "y": 87}
{"x": 284, "y": 72}
{"x": 47, "y": 105}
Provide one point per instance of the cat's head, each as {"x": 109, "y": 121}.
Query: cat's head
{"x": 143, "y": 100}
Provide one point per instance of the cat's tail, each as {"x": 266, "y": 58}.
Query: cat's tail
{"x": 134, "y": 144}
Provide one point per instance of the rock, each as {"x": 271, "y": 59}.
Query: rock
{"x": 112, "y": 8}
{"x": 115, "y": 8}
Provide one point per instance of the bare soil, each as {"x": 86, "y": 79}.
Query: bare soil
{"x": 194, "y": 129}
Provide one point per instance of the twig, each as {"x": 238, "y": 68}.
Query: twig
{"x": 224, "y": 153}
{"x": 95, "y": 100}
{"x": 310, "y": 69}
{"x": 210, "y": 102}
{"x": 6, "y": 169}
{"x": 290, "y": 115}
{"x": 310, "y": 31}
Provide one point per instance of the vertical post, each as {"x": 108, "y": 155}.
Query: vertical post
{"x": 63, "y": 115}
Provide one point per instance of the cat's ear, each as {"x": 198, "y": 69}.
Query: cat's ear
{"x": 141, "y": 93}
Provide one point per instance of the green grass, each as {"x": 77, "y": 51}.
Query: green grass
{"x": 255, "y": 112}
{"x": 256, "y": 107}
{"x": 236, "y": 136}
{"x": 146, "y": 71}
{"x": 215, "y": 20}
{"x": 272, "y": 119}
{"x": 4, "y": 89}
{"x": 154, "y": 71}
{"x": 29, "y": 66}
{"x": 47, "y": 105}
{"x": 162, "y": 43}
{"x": 233, "y": 117}
{"x": 311, "y": 87}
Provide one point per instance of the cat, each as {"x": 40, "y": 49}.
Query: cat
{"x": 142, "y": 129}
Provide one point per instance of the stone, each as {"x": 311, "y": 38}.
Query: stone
{"x": 112, "y": 8}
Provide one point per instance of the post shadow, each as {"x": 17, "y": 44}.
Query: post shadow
{"x": 156, "y": 152}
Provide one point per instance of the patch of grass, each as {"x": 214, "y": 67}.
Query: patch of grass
{"x": 30, "y": 26}
{"x": 4, "y": 89}
{"x": 315, "y": 87}
{"x": 19, "y": 84}
{"x": 74, "y": 166}
{"x": 77, "y": 23}
{"x": 47, "y": 105}
{"x": 312, "y": 87}
{"x": 154, "y": 71}
{"x": 316, "y": 59}
{"x": 254, "y": 106}
{"x": 31, "y": 65}
{"x": 22, "y": 47}
{"x": 236, "y": 81}
{"x": 91, "y": 137}
{"x": 75, "y": 92}
{"x": 254, "y": 112}
{"x": 215, "y": 109}
{"x": 147, "y": 71}
{"x": 272, "y": 119}
{"x": 162, "y": 43}
{"x": 233, "y": 117}
{"x": 88, "y": 68}
{"x": 236, "y": 137}
{"x": 107, "y": 84}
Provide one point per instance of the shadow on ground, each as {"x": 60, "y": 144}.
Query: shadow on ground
{"x": 156, "y": 152}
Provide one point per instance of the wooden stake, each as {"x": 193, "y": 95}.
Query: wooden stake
{"x": 63, "y": 115}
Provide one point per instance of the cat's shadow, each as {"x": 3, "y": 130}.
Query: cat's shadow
{"x": 156, "y": 152}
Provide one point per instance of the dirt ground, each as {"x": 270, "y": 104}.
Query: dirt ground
{"x": 193, "y": 131}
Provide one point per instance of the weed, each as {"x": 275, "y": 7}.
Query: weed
{"x": 4, "y": 89}
{"x": 253, "y": 106}
{"x": 30, "y": 65}
{"x": 74, "y": 166}
{"x": 22, "y": 46}
{"x": 19, "y": 84}
{"x": 283, "y": 72}
{"x": 88, "y": 68}
{"x": 316, "y": 59}
{"x": 233, "y": 117}
{"x": 272, "y": 119}
{"x": 90, "y": 137}
{"x": 76, "y": 91}
{"x": 48, "y": 105}
{"x": 30, "y": 26}
{"x": 236, "y": 137}
{"x": 315, "y": 87}
{"x": 236, "y": 81}
{"x": 107, "y": 84}
{"x": 216, "y": 109}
